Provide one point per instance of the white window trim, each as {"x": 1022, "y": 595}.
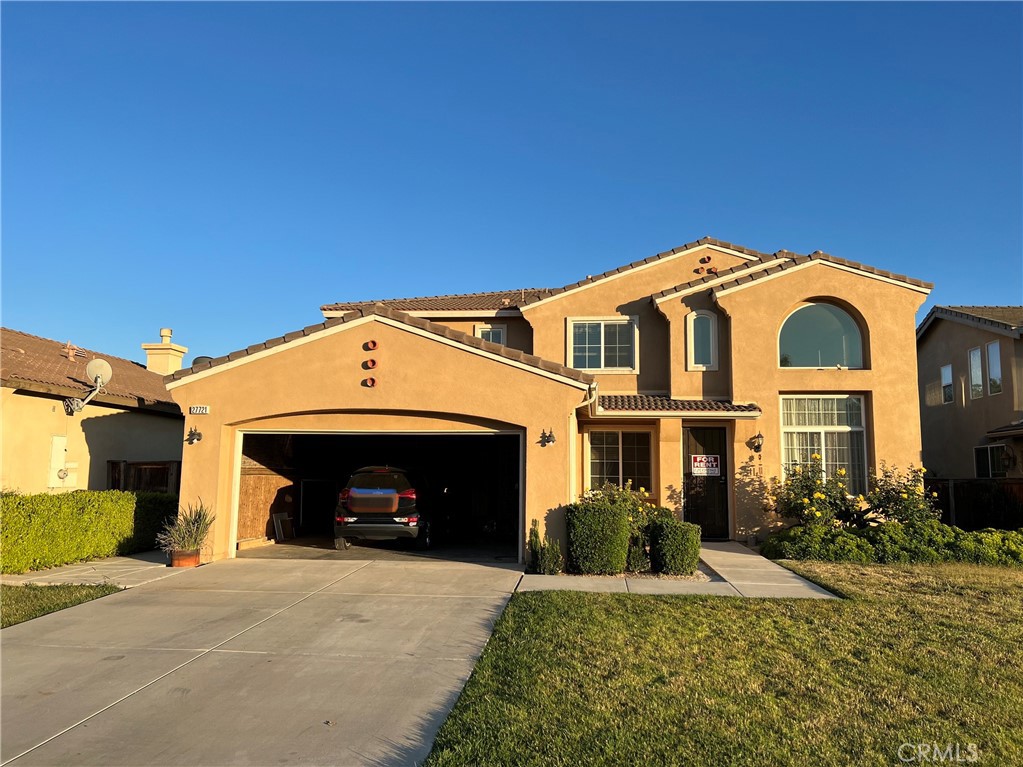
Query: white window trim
{"x": 1001, "y": 376}
{"x": 941, "y": 384}
{"x": 991, "y": 474}
{"x": 617, "y": 319}
{"x": 478, "y": 328}
{"x": 691, "y": 340}
{"x": 969, "y": 372}
{"x": 863, "y": 344}
{"x": 588, "y": 476}
{"x": 864, "y": 429}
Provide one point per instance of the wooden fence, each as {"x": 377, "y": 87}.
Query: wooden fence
{"x": 974, "y": 504}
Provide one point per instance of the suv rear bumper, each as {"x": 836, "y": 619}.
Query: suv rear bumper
{"x": 376, "y": 532}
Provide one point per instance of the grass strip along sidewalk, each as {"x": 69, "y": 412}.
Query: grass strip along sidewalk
{"x": 23, "y": 603}
{"x": 924, "y": 654}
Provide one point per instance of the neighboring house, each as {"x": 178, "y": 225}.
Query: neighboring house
{"x": 697, "y": 373}
{"x": 127, "y": 437}
{"x": 971, "y": 391}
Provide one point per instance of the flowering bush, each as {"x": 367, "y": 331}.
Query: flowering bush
{"x": 900, "y": 497}
{"x": 806, "y": 496}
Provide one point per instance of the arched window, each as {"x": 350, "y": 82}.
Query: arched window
{"x": 820, "y": 336}
{"x": 701, "y": 340}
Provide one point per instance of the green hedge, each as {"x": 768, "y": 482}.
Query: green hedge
{"x": 598, "y": 537}
{"x": 44, "y": 530}
{"x": 674, "y": 547}
{"x": 893, "y": 542}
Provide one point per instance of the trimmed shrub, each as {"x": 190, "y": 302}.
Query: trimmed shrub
{"x": 45, "y": 530}
{"x": 827, "y": 544}
{"x": 544, "y": 553}
{"x": 674, "y": 547}
{"x": 893, "y": 542}
{"x": 598, "y": 535}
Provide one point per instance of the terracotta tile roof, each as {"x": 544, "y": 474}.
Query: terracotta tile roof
{"x": 795, "y": 260}
{"x": 492, "y": 301}
{"x": 1005, "y": 319}
{"x": 653, "y": 403}
{"x": 737, "y": 269}
{"x": 688, "y": 246}
{"x": 1009, "y": 430}
{"x": 381, "y": 310}
{"x": 40, "y": 364}
{"x": 1010, "y": 316}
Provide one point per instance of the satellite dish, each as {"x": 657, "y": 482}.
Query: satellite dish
{"x": 99, "y": 373}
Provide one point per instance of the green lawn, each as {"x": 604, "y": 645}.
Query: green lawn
{"x": 916, "y": 654}
{"x": 23, "y": 603}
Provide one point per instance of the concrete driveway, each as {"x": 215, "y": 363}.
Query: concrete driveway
{"x": 252, "y": 662}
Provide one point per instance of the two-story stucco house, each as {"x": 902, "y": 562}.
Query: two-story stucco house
{"x": 697, "y": 373}
{"x": 971, "y": 391}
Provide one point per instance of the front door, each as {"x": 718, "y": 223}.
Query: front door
{"x": 705, "y": 480}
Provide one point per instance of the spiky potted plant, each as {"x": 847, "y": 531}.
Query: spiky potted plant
{"x": 183, "y": 538}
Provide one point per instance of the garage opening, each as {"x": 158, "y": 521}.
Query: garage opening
{"x": 468, "y": 483}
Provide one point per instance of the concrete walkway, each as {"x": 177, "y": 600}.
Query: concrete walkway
{"x": 132, "y": 570}
{"x": 734, "y": 570}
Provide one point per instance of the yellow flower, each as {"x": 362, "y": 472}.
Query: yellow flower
{"x": 817, "y": 514}
{"x": 841, "y": 472}
{"x": 815, "y": 457}
{"x": 798, "y": 469}
{"x": 630, "y": 519}
{"x": 806, "y": 501}
{"x": 819, "y": 496}
{"x": 934, "y": 495}
{"x": 860, "y": 498}
{"x": 841, "y": 485}
{"x": 904, "y": 495}
{"x": 642, "y": 490}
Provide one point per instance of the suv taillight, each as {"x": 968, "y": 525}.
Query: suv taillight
{"x": 343, "y": 497}
{"x": 409, "y": 494}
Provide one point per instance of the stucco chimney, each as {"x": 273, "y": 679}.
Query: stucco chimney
{"x": 164, "y": 358}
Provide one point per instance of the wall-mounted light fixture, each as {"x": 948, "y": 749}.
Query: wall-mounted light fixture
{"x": 547, "y": 438}
{"x": 756, "y": 442}
{"x": 194, "y": 435}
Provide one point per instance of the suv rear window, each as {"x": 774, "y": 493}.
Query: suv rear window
{"x": 382, "y": 480}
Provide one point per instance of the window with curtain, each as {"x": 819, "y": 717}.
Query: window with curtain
{"x": 831, "y": 427}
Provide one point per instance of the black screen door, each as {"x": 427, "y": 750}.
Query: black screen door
{"x": 705, "y": 480}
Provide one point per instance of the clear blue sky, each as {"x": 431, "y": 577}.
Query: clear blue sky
{"x": 225, "y": 169}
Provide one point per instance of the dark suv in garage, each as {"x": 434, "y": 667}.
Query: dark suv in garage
{"x": 379, "y": 503}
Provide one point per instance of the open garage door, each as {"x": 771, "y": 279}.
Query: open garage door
{"x": 468, "y": 483}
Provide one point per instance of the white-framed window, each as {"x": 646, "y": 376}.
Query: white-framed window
{"x": 990, "y": 461}
{"x": 976, "y": 374}
{"x": 701, "y": 340}
{"x": 618, "y": 456}
{"x": 604, "y": 343}
{"x": 948, "y": 395}
{"x": 494, "y": 333}
{"x": 820, "y": 336}
{"x": 994, "y": 367}
{"x": 831, "y": 426}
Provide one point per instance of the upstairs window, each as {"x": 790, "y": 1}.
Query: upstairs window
{"x": 820, "y": 336}
{"x": 994, "y": 368}
{"x": 603, "y": 344}
{"x": 493, "y": 333}
{"x": 976, "y": 374}
{"x": 702, "y": 341}
{"x": 947, "y": 393}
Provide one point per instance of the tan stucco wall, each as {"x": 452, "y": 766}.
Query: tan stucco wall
{"x": 951, "y": 431}
{"x": 697, "y": 384}
{"x": 889, "y": 384}
{"x": 422, "y": 384}
{"x": 98, "y": 434}
{"x": 519, "y": 336}
{"x": 627, "y": 295}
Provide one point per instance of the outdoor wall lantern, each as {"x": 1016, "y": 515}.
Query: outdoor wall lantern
{"x": 547, "y": 438}
{"x": 194, "y": 435}
{"x": 757, "y": 442}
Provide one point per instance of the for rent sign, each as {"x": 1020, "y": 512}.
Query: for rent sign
{"x": 706, "y": 465}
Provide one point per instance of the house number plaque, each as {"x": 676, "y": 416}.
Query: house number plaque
{"x": 198, "y": 409}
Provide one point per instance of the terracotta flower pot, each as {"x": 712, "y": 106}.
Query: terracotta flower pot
{"x": 184, "y": 558}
